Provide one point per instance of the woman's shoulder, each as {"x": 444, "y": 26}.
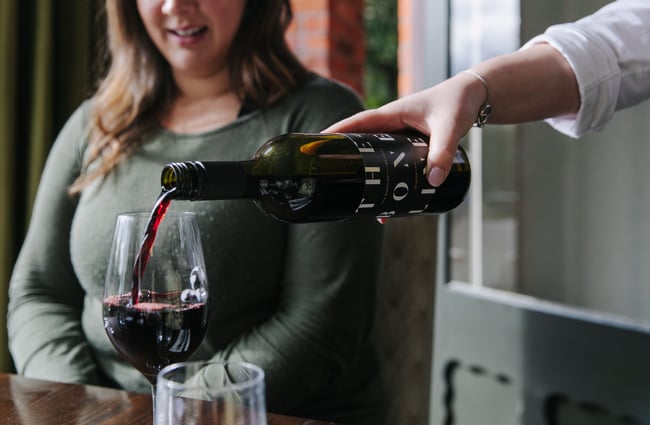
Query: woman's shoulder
{"x": 316, "y": 103}
{"x": 315, "y": 86}
{"x": 73, "y": 136}
{"x": 79, "y": 119}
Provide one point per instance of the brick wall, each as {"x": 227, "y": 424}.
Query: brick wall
{"x": 328, "y": 36}
{"x": 405, "y": 53}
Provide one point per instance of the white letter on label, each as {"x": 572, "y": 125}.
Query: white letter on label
{"x": 372, "y": 175}
{"x": 364, "y": 147}
{"x": 386, "y": 214}
{"x": 400, "y": 185}
{"x": 419, "y": 142}
{"x": 399, "y": 159}
{"x": 385, "y": 137}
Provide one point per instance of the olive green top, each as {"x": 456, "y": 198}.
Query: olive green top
{"x": 297, "y": 300}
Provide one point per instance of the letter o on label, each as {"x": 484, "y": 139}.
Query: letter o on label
{"x": 400, "y": 191}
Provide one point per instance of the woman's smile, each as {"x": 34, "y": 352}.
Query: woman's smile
{"x": 187, "y": 36}
{"x": 193, "y": 36}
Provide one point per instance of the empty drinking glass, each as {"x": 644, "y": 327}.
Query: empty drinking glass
{"x": 204, "y": 392}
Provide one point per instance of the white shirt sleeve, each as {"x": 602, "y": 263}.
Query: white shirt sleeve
{"x": 609, "y": 52}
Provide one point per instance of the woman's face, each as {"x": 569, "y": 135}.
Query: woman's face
{"x": 193, "y": 35}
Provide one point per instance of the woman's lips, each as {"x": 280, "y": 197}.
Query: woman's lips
{"x": 188, "y": 35}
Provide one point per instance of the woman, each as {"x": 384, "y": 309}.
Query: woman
{"x": 206, "y": 80}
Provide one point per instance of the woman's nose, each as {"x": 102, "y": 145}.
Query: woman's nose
{"x": 175, "y": 7}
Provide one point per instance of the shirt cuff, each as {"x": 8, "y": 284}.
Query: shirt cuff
{"x": 597, "y": 74}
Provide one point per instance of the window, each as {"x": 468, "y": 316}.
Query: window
{"x": 555, "y": 218}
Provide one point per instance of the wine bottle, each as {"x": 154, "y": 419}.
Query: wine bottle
{"x": 300, "y": 177}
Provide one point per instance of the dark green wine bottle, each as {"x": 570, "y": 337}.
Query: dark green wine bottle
{"x": 299, "y": 178}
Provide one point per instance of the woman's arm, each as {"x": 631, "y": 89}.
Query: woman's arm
{"x": 45, "y": 299}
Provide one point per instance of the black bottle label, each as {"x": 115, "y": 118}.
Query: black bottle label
{"x": 395, "y": 181}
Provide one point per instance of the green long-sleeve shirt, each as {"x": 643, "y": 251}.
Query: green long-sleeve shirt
{"x": 296, "y": 300}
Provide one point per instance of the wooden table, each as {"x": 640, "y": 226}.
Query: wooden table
{"x": 25, "y": 401}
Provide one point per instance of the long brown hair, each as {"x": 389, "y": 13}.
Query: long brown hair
{"x": 138, "y": 84}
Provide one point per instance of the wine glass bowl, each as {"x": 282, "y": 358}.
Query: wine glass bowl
{"x": 155, "y": 306}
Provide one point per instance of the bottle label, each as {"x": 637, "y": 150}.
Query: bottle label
{"x": 395, "y": 167}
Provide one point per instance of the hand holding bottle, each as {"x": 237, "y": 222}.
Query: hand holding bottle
{"x": 528, "y": 85}
{"x": 444, "y": 112}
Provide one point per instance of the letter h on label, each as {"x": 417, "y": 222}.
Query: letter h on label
{"x": 373, "y": 175}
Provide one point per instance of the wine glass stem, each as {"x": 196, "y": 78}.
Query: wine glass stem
{"x": 153, "y": 403}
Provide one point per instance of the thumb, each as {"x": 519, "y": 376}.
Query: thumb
{"x": 442, "y": 150}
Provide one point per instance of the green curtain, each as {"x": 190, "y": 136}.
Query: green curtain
{"x": 47, "y": 58}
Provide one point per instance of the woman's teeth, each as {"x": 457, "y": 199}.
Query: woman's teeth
{"x": 188, "y": 32}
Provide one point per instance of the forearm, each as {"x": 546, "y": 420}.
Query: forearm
{"x": 528, "y": 85}
{"x": 47, "y": 342}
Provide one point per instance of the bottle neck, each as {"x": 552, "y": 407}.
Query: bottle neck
{"x": 207, "y": 180}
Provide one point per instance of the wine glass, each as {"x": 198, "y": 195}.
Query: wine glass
{"x": 211, "y": 392}
{"x": 155, "y": 296}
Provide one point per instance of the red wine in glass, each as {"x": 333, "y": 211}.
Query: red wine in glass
{"x": 155, "y": 332}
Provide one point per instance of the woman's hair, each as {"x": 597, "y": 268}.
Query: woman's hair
{"x": 138, "y": 84}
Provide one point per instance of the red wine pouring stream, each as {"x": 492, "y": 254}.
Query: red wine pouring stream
{"x": 141, "y": 260}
